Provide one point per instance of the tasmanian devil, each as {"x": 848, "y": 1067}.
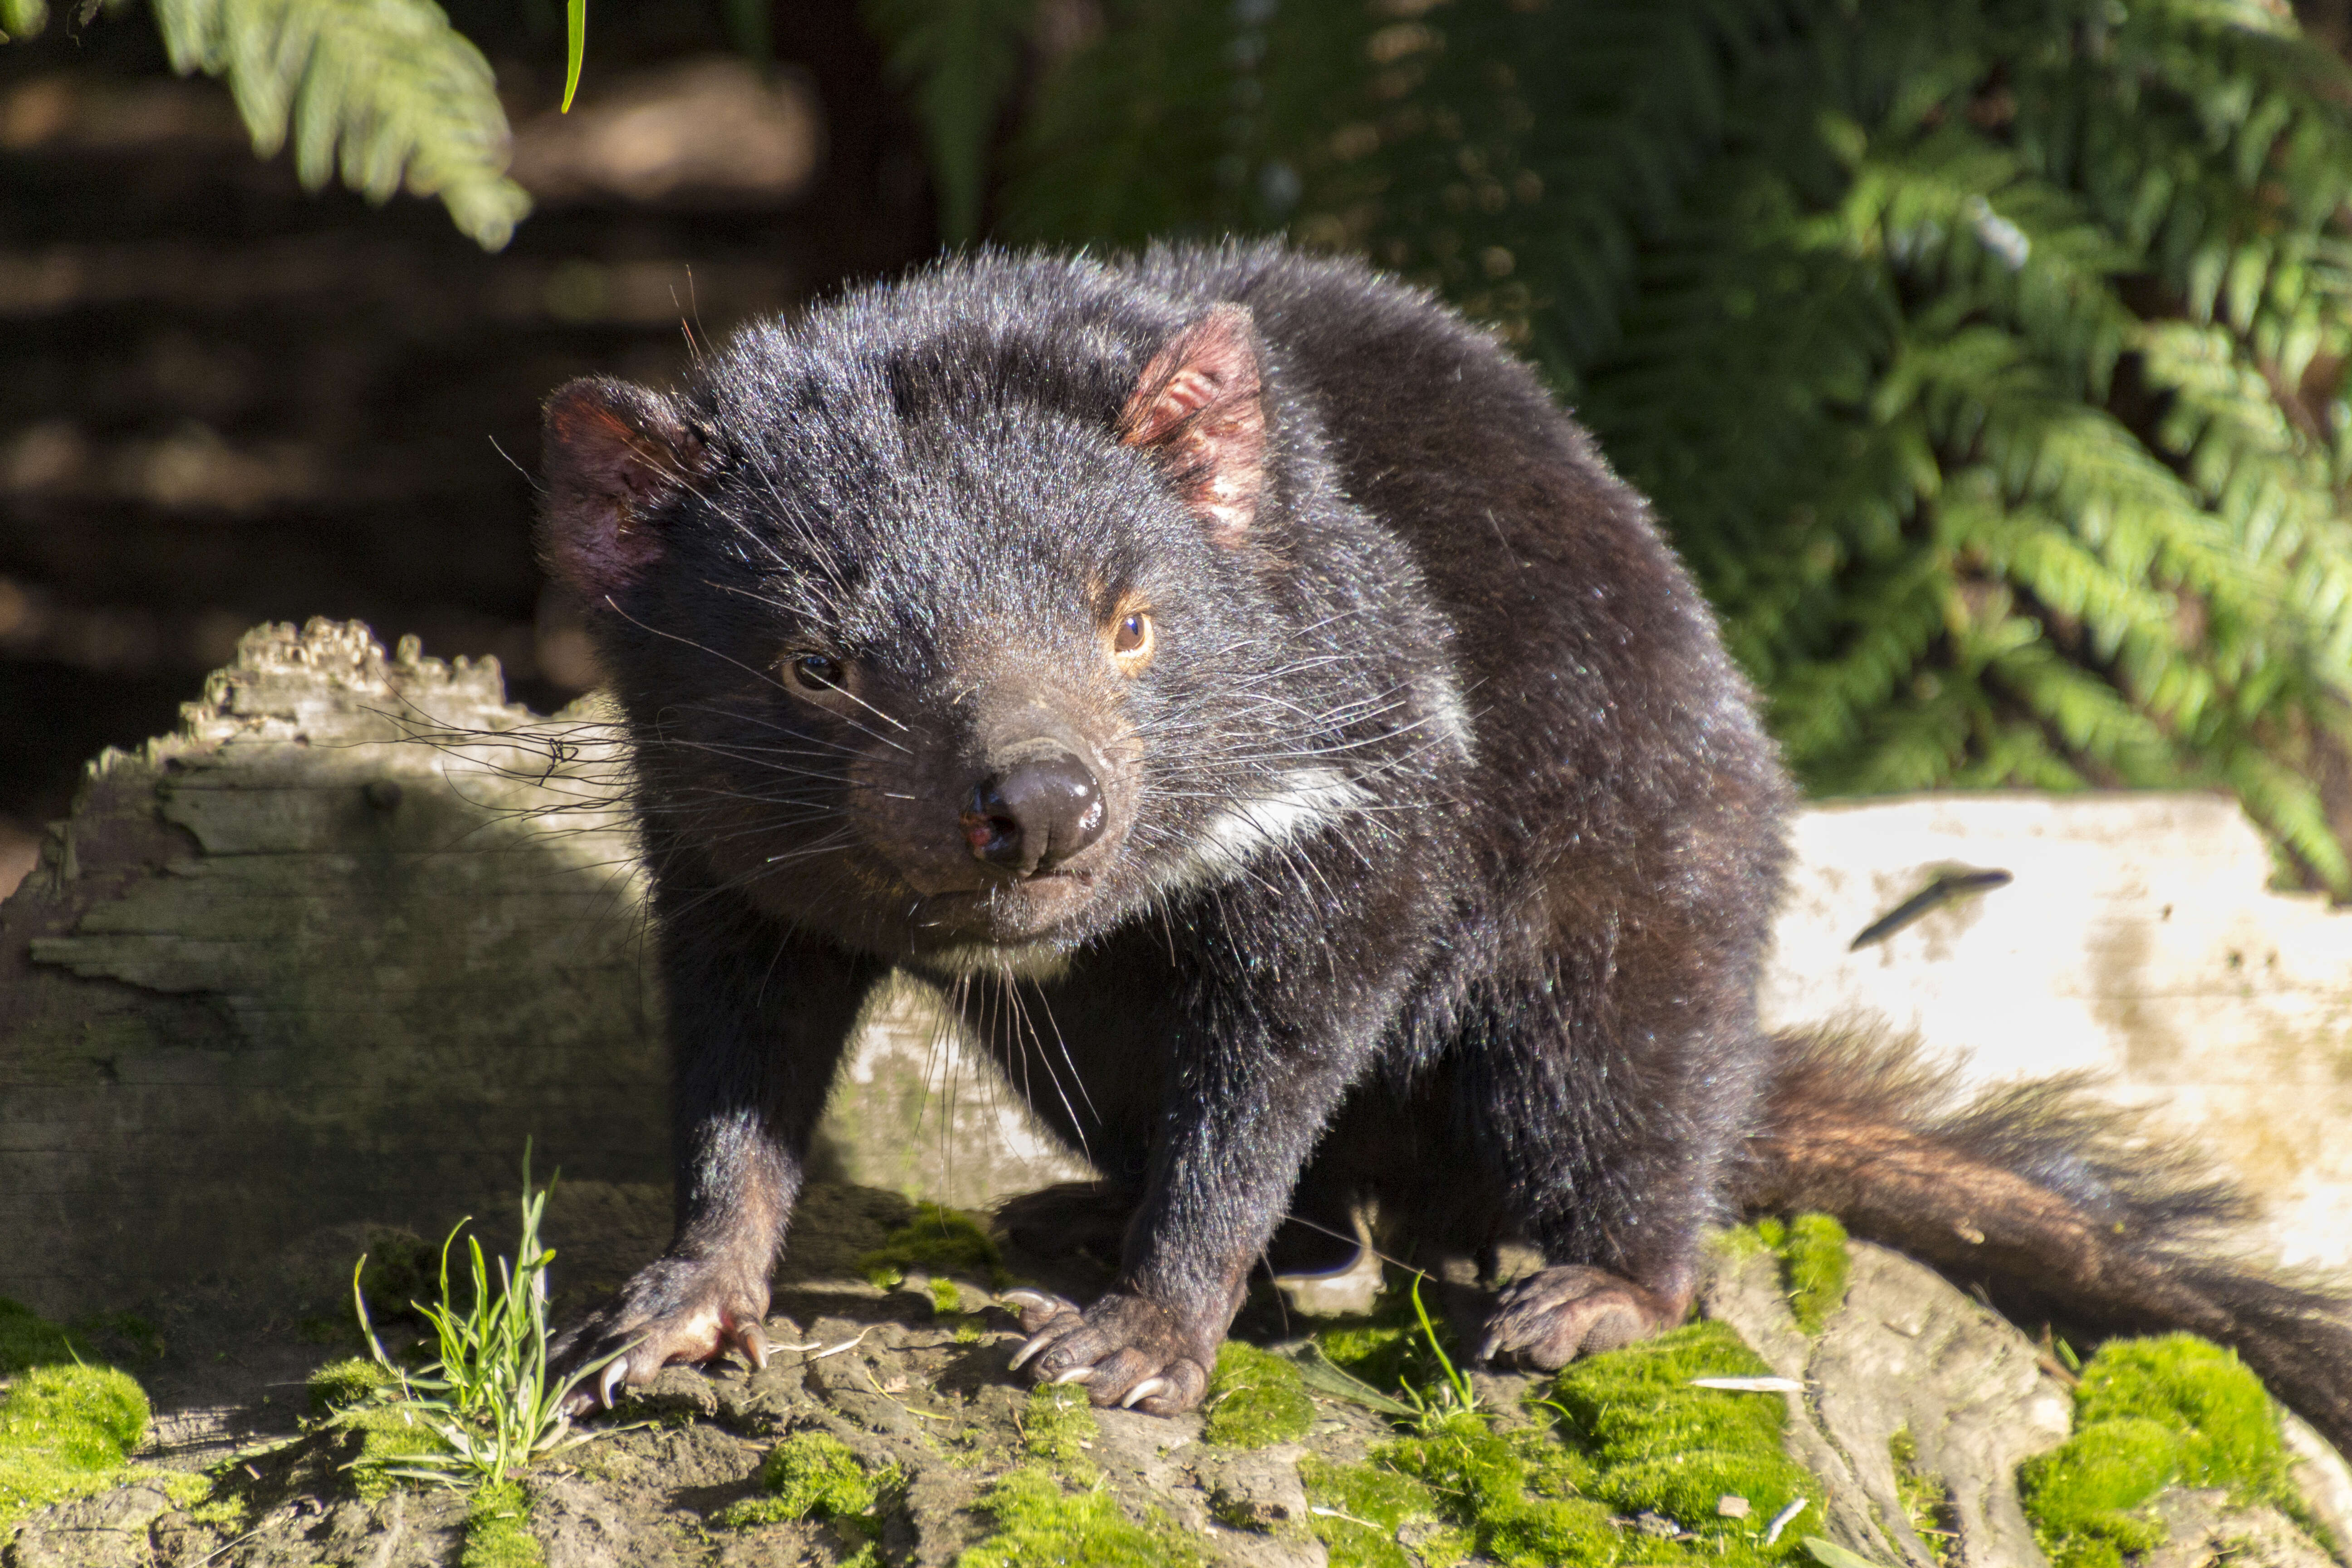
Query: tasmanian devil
{"x": 1230, "y": 678}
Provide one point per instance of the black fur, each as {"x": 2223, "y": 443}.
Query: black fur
{"x": 1433, "y": 839}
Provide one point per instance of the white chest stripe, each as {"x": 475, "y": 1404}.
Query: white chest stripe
{"x": 1304, "y": 800}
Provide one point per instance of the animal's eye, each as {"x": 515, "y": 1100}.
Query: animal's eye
{"x": 815, "y": 672}
{"x": 1130, "y": 639}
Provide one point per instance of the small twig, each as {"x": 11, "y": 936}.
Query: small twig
{"x": 846, "y": 1344}
{"x": 225, "y": 1546}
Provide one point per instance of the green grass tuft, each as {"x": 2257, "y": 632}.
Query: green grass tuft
{"x": 1389, "y": 1351}
{"x": 938, "y": 1240}
{"x": 387, "y": 1440}
{"x": 65, "y": 1431}
{"x": 1038, "y": 1521}
{"x": 497, "y": 1530}
{"x": 1255, "y": 1398}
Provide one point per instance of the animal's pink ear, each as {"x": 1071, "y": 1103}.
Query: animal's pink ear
{"x": 1200, "y": 405}
{"x": 611, "y": 456}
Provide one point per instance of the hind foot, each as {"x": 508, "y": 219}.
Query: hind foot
{"x": 1551, "y": 1317}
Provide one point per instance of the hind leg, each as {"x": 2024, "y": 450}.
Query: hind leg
{"x": 1605, "y": 1115}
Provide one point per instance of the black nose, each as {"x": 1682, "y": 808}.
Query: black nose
{"x": 1034, "y": 813}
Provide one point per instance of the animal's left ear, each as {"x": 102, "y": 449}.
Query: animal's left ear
{"x": 1199, "y": 404}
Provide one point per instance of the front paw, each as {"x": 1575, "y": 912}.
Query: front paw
{"x": 1127, "y": 1351}
{"x": 1551, "y": 1317}
{"x": 677, "y": 1309}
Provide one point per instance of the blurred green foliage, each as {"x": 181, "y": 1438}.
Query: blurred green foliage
{"x": 1985, "y": 359}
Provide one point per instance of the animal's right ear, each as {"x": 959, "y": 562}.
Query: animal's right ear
{"x": 611, "y": 456}
{"x": 1201, "y": 406}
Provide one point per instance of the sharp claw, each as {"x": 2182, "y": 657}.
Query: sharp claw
{"x": 1149, "y": 1388}
{"x": 1021, "y": 1293}
{"x": 751, "y": 1340}
{"x": 1030, "y": 1349}
{"x": 610, "y": 1379}
{"x": 1077, "y": 1375}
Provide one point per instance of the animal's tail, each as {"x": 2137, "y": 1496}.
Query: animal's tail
{"x": 2050, "y": 1202}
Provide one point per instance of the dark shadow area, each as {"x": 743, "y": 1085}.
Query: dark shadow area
{"x": 225, "y": 400}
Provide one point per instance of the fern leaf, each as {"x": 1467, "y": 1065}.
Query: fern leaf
{"x": 385, "y": 91}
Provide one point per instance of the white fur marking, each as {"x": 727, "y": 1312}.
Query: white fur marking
{"x": 1305, "y": 800}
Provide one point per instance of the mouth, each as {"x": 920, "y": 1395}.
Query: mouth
{"x": 1005, "y": 912}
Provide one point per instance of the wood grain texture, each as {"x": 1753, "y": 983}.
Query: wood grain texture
{"x": 331, "y": 952}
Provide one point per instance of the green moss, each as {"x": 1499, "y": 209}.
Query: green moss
{"x": 186, "y": 1488}
{"x": 1514, "y": 1496}
{"x": 2149, "y": 1413}
{"x": 938, "y": 1240}
{"x": 811, "y": 1475}
{"x": 1814, "y": 1261}
{"x": 497, "y": 1530}
{"x": 1658, "y": 1445}
{"x": 342, "y": 1383}
{"x": 384, "y": 1436}
{"x": 1814, "y": 1266}
{"x": 946, "y": 1296}
{"x": 225, "y": 1512}
{"x": 65, "y": 1431}
{"x": 2081, "y": 1494}
{"x": 1363, "y": 1507}
{"x": 1255, "y": 1398}
{"x": 1039, "y": 1521}
{"x": 26, "y": 1340}
{"x": 1059, "y": 1426}
{"x": 402, "y": 1269}
{"x": 1927, "y": 1500}
{"x": 2229, "y": 1430}
{"x": 1388, "y": 1350}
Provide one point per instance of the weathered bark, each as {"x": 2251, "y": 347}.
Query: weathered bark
{"x": 333, "y": 952}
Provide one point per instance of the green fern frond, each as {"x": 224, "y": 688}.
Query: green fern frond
{"x": 1984, "y": 359}
{"x": 384, "y": 91}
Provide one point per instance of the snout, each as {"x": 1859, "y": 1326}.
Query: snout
{"x": 1039, "y": 805}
